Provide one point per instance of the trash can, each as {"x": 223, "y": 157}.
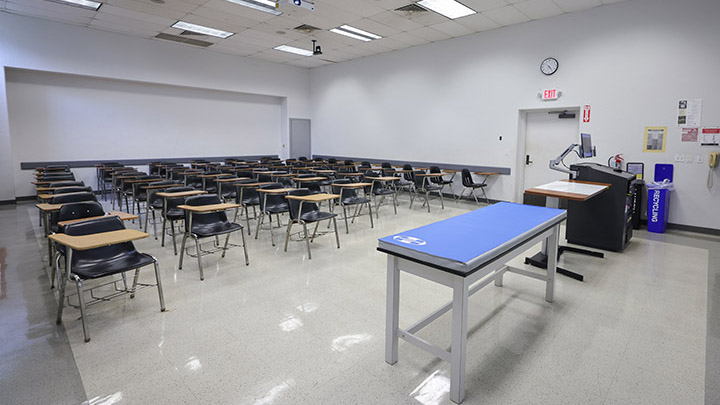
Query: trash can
{"x": 659, "y": 198}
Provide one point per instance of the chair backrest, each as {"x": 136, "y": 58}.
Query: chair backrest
{"x": 295, "y": 204}
{"x": 264, "y": 178}
{"x": 56, "y": 167}
{"x": 174, "y": 202}
{"x": 302, "y": 158}
{"x": 206, "y": 218}
{"x": 344, "y": 192}
{"x": 348, "y": 162}
{"x": 67, "y": 198}
{"x": 67, "y": 184}
{"x": 419, "y": 180}
{"x": 385, "y": 165}
{"x": 388, "y": 172}
{"x": 80, "y": 210}
{"x": 365, "y": 164}
{"x": 62, "y": 177}
{"x": 246, "y": 195}
{"x": 332, "y": 160}
{"x": 99, "y": 225}
{"x": 435, "y": 169}
{"x": 466, "y": 177}
{"x": 314, "y": 187}
{"x": 71, "y": 189}
{"x": 271, "y": 199}
{"x": 152, "y": 192}
{"x": 407, "y": 166}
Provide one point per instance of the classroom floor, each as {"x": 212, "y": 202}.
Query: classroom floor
{"x": 290, "y": 330}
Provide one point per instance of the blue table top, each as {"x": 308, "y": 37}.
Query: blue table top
{"x": 464, "y": 243}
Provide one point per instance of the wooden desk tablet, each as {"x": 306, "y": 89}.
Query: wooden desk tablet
{"x": 49, "y": 196}
{"x": 251, "y": 184}
{"x": 143, "y": 181}
{"x": 232, "y": 180}
{"x": 208, "y": 208}
{"x": 96, "y": 240}
{"x": 275, "y": 190}
{"x": 314, "y": 198}
{"x": 159, "y": 186}
{"x": 179, "y": 194}
{"x": 45, "y": 207}
{"x": 404, "y": 171}
{"x": 486, "y": 173}
{"x": 207, "y": 176}
{"x": 283, "y": 175}
{"x": 323, "y": 171}
{"x": 38, "y": 189}
{"x": 308, "y": 179}
{"x": 383, "y": 178}
{"x": 350, "y": 174}
{"x": 353, "y": 185}
{"x": 124, "y": 216}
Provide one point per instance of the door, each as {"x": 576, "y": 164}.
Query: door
{"x": 300, "y": 138}
{"x": 546, "y": 137}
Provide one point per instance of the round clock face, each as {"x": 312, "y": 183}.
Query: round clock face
{"x": 549, "y": 66}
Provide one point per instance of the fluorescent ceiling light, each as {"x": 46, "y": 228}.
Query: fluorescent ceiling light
{"x": 267, "y": 6}
{"x": 292, "y": 49}
{"x": 201, "y": 29}
{"x": 449, "y": 8}
{"x": 86, "y": 4}
{"x": 356, "y": 33}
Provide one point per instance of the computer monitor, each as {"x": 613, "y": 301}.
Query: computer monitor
{"x": 586, "y": 149}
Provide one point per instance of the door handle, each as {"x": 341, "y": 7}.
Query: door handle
{"x": 527, "y": 160}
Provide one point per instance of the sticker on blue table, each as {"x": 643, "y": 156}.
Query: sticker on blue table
{"x": 409, "y": 240}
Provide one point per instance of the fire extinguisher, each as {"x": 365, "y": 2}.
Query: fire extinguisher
{"x": 616, "y": 162}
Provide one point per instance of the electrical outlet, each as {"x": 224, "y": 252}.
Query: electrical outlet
{"x": 698, "y": 159}
{"x": 689, "y": 158}
{"x": 679, "y": 158}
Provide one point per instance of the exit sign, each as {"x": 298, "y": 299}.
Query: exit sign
{"x": 550, "y": 94}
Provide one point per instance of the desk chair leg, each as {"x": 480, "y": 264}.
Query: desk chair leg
{"x": 485, "y": 195}
{"x": 247, "y": 260}
{"x": 370, "y": 211}
{"x": 337, "y": 237}
{"x": 172, "y": 230}
{"x": 347, "y": 228}
{"x": 442, "y": 202}
{"x": 197, "y": 250}
{"x": 81, "y": 298}
{"x": 314, "y": 234}
{"x": 134, "y": 284}
{"x": 272, "y": 236}
{"x": 227, "y": 239}
{"x": 287, "y": 233}
{"x": 247, "y": 220}
{"x": 427, "y": 200}
{"x": 55, "y": 270}
{"x": 259, "y": 223}
{"x": 182, "y": 250}
{"x": 475, "y": 196}
{"x": 395, "y": 203}
{"x": 154, "y": 225}
{"x": 159, "y": 285}
{"x": 162, "y": 241}
{"x": 307, "y": 240}
{"x": 62, "y": 285}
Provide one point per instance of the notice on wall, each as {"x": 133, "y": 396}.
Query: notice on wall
{"x": 689, "y": 113}
{"x": 655, "y": 138}
{"x": 690, "y": 134}
{"x": 710, "y": 136}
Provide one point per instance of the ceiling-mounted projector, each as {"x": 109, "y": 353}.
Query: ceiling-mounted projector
{"x": 298, "y": 3}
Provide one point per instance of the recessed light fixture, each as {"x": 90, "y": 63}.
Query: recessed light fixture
{"x": 201, "y": 29}
{"x": 449, "y": 8}
{"x": 86, "y": 4}
{"x": 292, "y": 49}
{"x": 267, "y": 6}
{"x": 356, "y": 33}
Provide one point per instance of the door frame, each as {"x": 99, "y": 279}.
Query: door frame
{"x": 522, "y": 142}
{"x": 290, "y": 136}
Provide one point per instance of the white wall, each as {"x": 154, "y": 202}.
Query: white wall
{"x": 33, "y": 44}
{"x": 449, "y": 101}
{"x": 58, "y": 117}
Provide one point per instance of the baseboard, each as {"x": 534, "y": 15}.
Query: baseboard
{"x": 7, "y": 202}
{"x": 689, "y": 228}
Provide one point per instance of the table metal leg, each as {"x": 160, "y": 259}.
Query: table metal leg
{"x": 552, "y": 244}
{"x": 459, "y": 340}
{"x": 392, "y": 310}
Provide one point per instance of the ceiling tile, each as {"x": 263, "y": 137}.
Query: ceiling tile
{"x": 537, "y": 9}
{"x": 45, "y": 14}
{"x": 577, "y": 5}
{"x": 122, "y": 28}
{"x": 425, "y": 18}
{"x": 477, "y": 22}
{"x": 358, "y": 7}
{"x": 394, "y": 20}
{"x": 148, "y": 8}
{"x": 225, "y": 17}
{"x": 42, "y": 6}
{"x": 429, "y": 34}
{"x": 452, "y": 29}
{"x": 273, "y": 55}
{"x": 484, "y": 5}
{"x": 374, "y": 27}
{"x": 310, "y": 62}
{"x": 238, "y": 10}
{"x": 109, "y": 9}
{"x": 409, "y": 39}
{"x": 507, "y": 15}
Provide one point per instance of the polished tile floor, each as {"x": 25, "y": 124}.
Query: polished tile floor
{"x": 291, "y": 330}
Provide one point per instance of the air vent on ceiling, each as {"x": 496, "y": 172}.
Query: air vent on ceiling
{"x": 411, "y": 9}
{"x": 184, "y": 40}
{"x": 308, "y": 29}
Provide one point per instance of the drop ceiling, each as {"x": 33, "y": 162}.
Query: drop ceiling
{"x": 257, "y": 33}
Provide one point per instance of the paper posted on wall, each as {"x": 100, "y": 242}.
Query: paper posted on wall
{"x": 690, "y": 134}
{"x": 655, "y": 138}
{"x": 710, "y": 137}
{"x": 689, "y": 113}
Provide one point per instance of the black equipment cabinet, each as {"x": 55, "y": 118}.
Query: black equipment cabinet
{"x": 604, "y": 221}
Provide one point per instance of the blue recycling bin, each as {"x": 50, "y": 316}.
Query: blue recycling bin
{"x": 659, "y": 198}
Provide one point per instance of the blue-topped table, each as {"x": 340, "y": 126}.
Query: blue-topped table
{"x": 464, "y": 253}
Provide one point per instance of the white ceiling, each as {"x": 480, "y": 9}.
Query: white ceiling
{"x": 257, "y": 33}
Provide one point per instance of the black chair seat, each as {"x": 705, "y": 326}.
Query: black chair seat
{"x": 314, "y": 216}
{"x": 251, "y": 201}
{"x": 175, "y": 214}
{"x": 157, "y": 204}
{"x": 216, "y": 228}
{"x": 211, "y": 189}
{"x": 475, "y": 185}
{"x": 383, "y": 191}
{"x": 276, "y": 208}
{"x": 229, "y": 195}
{"x": 87, "y": 268}
{"x": 443, "y": 181}
{"x": 355, "y": 200}
{"x": 431, "y": 187}
{"x": 141, "y": 196}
